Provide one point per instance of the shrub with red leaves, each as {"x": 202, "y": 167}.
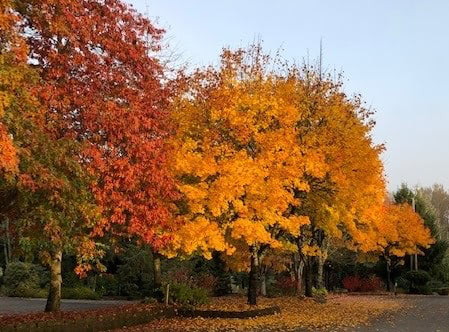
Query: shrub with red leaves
{"x": 371, "y": 284}
{"x": 358, "y": 284}
{"x": 285, "y": 285}
{"x": 352, "y": 283}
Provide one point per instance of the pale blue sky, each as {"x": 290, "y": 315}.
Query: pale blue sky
{"x": 395, "y": 53}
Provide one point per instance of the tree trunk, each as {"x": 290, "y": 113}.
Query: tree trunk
{"x": 416, "y": 262}
{"x": 8, "y": 256}
{"x": 298, "y": 270}
{"x": 308, "y": 277}
{"x": 253, "y": 277}
{"x": 388, "y": 275}
{"x": 157, "y": 276}
{"x": 320, "y": 283}
{"x": 54, "y": 294}
{"x": 158, "y": 293}
{"x": 5, "y": 251}
{"x": 263, "y": 284}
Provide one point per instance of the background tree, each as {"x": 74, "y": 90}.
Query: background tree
{"x": 336, "y": 129}
{"x": 438, "y": 196}
{"x": 435, "y": 258}
{"x": 401, "y": 232}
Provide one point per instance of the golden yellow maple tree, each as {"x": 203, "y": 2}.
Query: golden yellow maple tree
{"x": 238, "y": 157}
{"x": 400, "y": 231}
{"x": 335, "y": 129}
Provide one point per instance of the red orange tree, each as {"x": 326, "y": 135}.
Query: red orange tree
{"x": 47, "y": 197}
{"x": 102, "y": 89}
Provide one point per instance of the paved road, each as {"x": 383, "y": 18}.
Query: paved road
{"x": 430, "y": 314}
{"x": 16, "y": 305}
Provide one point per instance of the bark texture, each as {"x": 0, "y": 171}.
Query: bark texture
{"x": 253, "y": 277}
{"x": 54, "y": 294}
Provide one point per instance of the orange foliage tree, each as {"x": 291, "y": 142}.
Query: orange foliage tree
{"x": 237, "y": 159}
{"x": 12, "y": 63}
{"x": 334, "y": 131}
{"x": 400, "y": 232}
{"x": 47, "y": 198}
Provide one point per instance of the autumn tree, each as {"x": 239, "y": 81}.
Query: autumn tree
{"x": 102, "y": 86}
{"x": 48, "y": 197}
{"x": 12, "y": 64}
{"x": 400, "y": 232}
{"x": 334, "y": 130}
{"x": 13, "y": 74}
{"x": 237, "y": 159}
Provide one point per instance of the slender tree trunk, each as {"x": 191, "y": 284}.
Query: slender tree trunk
{"x": 54, "y": 295}
{"x": 298, "y": 267}
{"x": 8, "y": 241}
{"x": 308, "y": 277}
{"x": 157, "y": 275}
{"x": 253, "y": 277}
{"x": 5, "y": 251}
{"x": 263, "y": 284}
{"x": 388, "y": 275}
{"x": 416, "y": 262}
{"x": 320, "y": 282}
{"x": 158, "y": 293}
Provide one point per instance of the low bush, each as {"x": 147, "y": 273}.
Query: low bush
{"x": 358, "y": 284}
{"x": 403, "y": 284}
{"x": 435, "y": 285}
{"x": 185, "y": 276}
{"x": 371, "y": 284}
{"x": 352, "y": 283}
{"x": 187, "y": 295}
{"x": 24, "y": 290}
{"x": 283, "y": 286}
{"x": 25, "y": 280}
{"x": 443, "y": 291}
{"x": 422, "y": 289}
{"x": 320, "y": 292}
{"x": 107, "y": 284}
{"x": 418, "y": 282}
{"x": 79, "y": 293}
{"x": 417, "y": 277}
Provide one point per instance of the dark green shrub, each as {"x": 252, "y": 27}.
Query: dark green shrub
{"x": 135, "y": 273}
{"x": 69, "y": 277}
{"x": 403, "y": 283}
{"x": 436, "y": 284}
{"x": 417, "y": 278}
{"x": 25, "y": 280}
{"x": 418, "y": 282}
{"x": 187, "y": 295}
{"x": 443, "y": 291}
{"x": 422, "y": 289}
{"x": 107, "y": 284}
{"x": 79, "y": 293}
{"x": 24, "y": 290}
